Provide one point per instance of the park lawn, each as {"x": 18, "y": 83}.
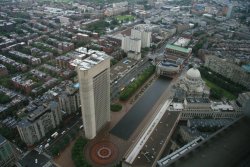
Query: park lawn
{"x": 226, "y": 93}
{"x": 125, "y": 17}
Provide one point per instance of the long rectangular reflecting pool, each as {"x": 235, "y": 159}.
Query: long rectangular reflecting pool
{"x": 128, "y": 124}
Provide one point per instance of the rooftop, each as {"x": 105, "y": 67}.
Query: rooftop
{"x": 33, "y": 158}
{"x": 167, "y": 64}
{"x": 229, "y": 147}
{"x": 2, "y": 139}
{"x": 150, "y": 150}
{"x": 222, "y": 106}
{"x": 120, "y": 69}
{"x": 197, "y": 100}
{"x": 246, "y": 67}
{"x": 94, "y": 57}
{"x": 37, "y": 113}
{"x": 164, "y": 161}
{"x": 182, "y": 42}
{"x": 178, "y": 48}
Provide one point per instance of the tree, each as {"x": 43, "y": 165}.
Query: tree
{"x": 115, "y": 107}
{"x": 132, "y": 87}
{"x": 153, "y": 47}
{"x": 114, "y": 22}
{"x": 77, "y": 153}
{"x": 113, "y": 62}
{"x": 4, "y": 98}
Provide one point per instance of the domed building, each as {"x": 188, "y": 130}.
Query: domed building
{"x": 193, "y": 85}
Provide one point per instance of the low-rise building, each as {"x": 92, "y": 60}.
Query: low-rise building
{"x": 21, "y": 83}
{"x": 65, "y": 46}
{"x": 39, "y": 53}
{"x": 52, "y": 69}
{"x": 7, "y": 25}
{"x": 185, "y": 52}
{"x": 65, "y": 21}
{"x": 5, "y": 42}
{"x": 3, "y": 70}
{"x": 81, "y": 37}
{"x": 11, "y": 63}
{"x": 117, "y": 9}
{"x": 170, "y": 66}
{"x": 63, "y": 61}
{"x": 197, "y": 104}
{"x": 28, "y": 58}
{"x": 35, "y": 158}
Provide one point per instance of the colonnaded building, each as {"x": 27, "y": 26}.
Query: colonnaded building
{"x": 192, "y": 99}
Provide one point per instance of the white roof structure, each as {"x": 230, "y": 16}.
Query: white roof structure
{"x": 193, "y": 73}
{"x": 93, "y": 57}
{"x": 183, "y": 42}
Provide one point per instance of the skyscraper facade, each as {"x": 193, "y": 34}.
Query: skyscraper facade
{"x": 94, "y": 79}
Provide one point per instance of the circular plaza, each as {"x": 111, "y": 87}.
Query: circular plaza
{"x": 103, "y": 153}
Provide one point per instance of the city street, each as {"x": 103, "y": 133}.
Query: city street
{"x": 72, "y": 125}
{"x": 125, "y": 80}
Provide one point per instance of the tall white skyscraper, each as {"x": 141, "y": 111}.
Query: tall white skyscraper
{"x": 140, "y": 38}
{"x": 229, "y": 10}
{"x": 94, "y": 79}
{"x": 131, "y": 44}
{"x": 143, "y": 32}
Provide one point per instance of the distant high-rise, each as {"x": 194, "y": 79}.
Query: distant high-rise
{"x": 94, "y": 79}
{"x": 229, "y": 11}
{"x": 143, "y": 32}
{"x": 69, "y": 100}
{"x": 140, "y": 38}
{"x": 131, "y": 44}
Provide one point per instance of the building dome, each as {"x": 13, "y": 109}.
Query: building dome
{"x": 193, "y": 73}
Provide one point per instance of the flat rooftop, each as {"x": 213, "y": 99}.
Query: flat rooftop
{"x": 91, "y": 58}
{"x": 164, "y": 161}
{"x": 121, "y": 68}
{"x": 149, "y": 153}
{"x": 229, "y": 147}
{"x": 197, "y": 100}
{"x": 173, "y": 57}
{"x": 178, "y": 48}
{"x": 182, "y": 42}
{"x": 34, "y": 159}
